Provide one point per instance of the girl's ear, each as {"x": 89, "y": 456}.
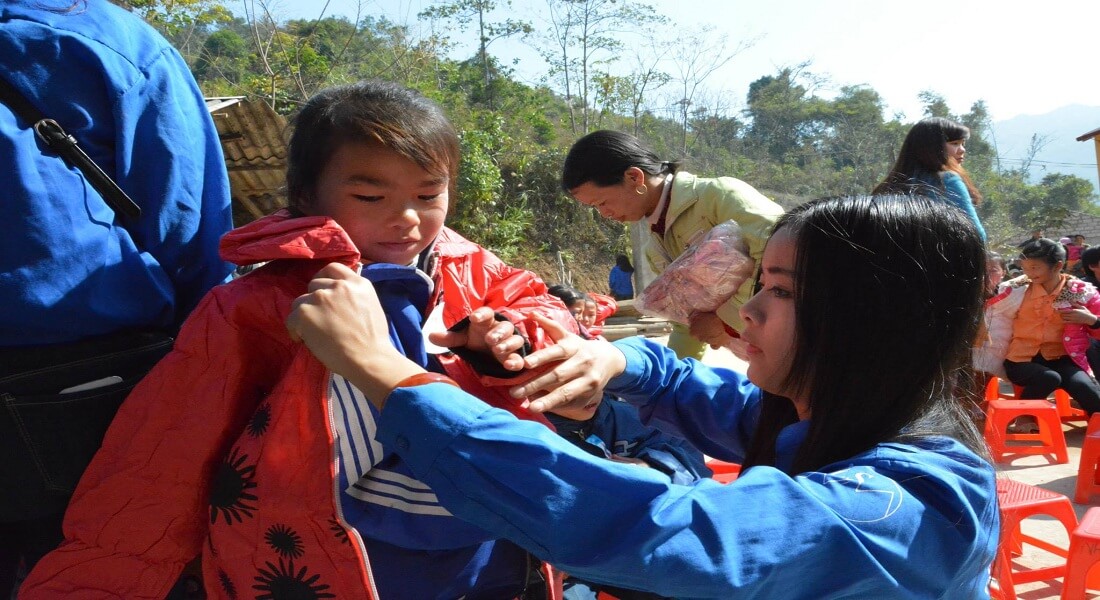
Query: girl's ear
{"x": 634, "y": 176}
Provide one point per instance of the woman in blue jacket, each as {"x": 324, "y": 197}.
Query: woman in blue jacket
{"x": 930, "y": 164}
{"x": 862, "y": 477}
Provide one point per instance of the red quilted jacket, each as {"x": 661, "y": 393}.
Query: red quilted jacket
{"x": 225, "y": 449}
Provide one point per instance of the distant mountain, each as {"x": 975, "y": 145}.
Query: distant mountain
{"x": 1062, "y": 153}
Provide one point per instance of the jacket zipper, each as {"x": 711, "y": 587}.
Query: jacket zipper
{"x": 353, "y": 533}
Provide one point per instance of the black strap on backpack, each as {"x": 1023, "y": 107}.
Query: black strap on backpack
{"x": 65, "y": 145}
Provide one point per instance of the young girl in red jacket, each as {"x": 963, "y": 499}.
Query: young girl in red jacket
{"x": 244, "y": 449}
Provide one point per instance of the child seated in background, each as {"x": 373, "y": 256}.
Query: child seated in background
{"x": 591, "y": 310}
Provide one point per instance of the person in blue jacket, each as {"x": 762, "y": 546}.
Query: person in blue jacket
{"x": 71, "y": 270}
{"x": 620, "y": 281}
{"x": 862, "y": 476}
{"x": 930, "y": 163}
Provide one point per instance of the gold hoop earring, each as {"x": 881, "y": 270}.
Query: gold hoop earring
{"x": 641, "y": 190}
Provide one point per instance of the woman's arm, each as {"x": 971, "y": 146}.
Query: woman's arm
{"x": 852, "y": 532}
{"x": 959, "y": 196}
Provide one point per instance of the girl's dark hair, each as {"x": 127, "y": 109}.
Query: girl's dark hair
{"x": 602, "y": 157}
{"x": 369, "y": 112}
{"x": 624, "y": 263}
{"x": 565, "y": 293}
{"x": 991, "y": 256}
{"x": 923, "y": 156}
{"x": 1046, "y": 250}
{"x": 881, "y": 344}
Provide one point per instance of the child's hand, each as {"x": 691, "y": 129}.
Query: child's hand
{"x": 1077, "y": 315}
{"x": 486, "y": 334}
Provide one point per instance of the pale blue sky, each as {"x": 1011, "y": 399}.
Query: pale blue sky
{"x": 1020, "y": 57}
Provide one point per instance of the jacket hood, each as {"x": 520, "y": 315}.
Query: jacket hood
{"x": 282, "y": 235}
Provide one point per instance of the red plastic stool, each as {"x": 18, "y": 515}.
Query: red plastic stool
{"x": 997, "y": 590}
{"x": 1084, "y": 553}
{"x": 1061, "y": 400}
{"x": 1020, "y": 501}
{"x": 724, "y": 472}
{"x": 1052, "y": 441}
{"x": 1088, "y": 478}
{"x": 992, "y": 388}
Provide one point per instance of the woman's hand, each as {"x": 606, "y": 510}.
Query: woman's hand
{"x": 486, "y": 334}
{"x": 343, "y": 325}
{"x": 1078, "y": 315}
{"x": 584, "y": 370}
{"x": 709, "y": 328}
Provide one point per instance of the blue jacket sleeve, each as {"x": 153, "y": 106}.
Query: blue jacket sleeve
{"x": 619, "y": 425}
{"x": 959, "y": 196}
{"x": 900, "y": 523}
{"x": 168, "y": 158}
{"x": 714, "y": 409}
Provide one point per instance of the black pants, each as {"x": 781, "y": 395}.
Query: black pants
{"x": 1040, "y": 377}
{"x": 23, "y": 544}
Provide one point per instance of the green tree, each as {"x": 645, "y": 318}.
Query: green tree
{"x": 585, "y": 35}
{"x": 785, "y": 118}
{"x": 182, "y": 22}
{"x": 696, "y": 56}
{"x": 224, "y": 58}
{"x": 465, "y": 12}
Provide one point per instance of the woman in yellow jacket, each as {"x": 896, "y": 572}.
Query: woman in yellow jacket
{"x": 625, "y": 180}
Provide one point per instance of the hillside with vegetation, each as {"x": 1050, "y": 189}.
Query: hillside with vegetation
{"x": 788, "y": 141}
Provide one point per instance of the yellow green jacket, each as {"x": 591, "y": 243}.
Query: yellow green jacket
{"x": 696, "y": 205}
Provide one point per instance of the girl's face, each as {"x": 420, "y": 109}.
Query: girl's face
{"x": 994, "y": 274}
{"x": 621, "y": 201}
{"x": 577, "y": 308}
{"x": 391, "y": 208}
{"x": 588, "y": 314}
{"x": 956, "y": 149}
{"x": 1095, "y": 270}
{"x": 1038, "y": 271}
{"x": 770, "y": 321}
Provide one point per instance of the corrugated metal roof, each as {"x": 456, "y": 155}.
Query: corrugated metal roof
{"x": 253, "y": 140}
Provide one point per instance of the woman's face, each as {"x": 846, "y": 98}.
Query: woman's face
{"x": 770, "y": 321}
{"x": 956, "y": 149}
{"x": 1038, "y": 271}
{"x": 620, "y": 201}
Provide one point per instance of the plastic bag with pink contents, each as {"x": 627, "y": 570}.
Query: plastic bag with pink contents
{"x": 701, "y": 279}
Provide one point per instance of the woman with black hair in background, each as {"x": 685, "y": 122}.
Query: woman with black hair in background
{"x": 624, "y": 180}
{"x": 930, "y": 164}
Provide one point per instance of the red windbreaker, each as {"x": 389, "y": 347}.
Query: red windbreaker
{"x": 238, "y": 403}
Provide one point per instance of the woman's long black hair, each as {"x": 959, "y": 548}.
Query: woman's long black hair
{"x": 888, "y": 293}
{"x": 923, "y": 156}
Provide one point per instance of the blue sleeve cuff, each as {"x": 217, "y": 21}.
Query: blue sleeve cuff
{"x": 420, "y": 422}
